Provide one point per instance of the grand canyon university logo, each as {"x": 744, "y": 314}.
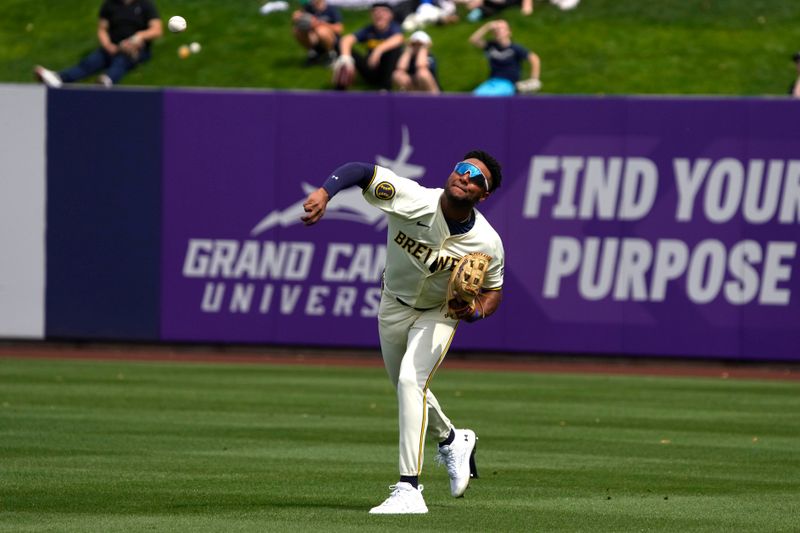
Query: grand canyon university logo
{"x": 348, "y": 204}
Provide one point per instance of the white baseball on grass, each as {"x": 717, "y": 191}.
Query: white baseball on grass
{"x": 176, "y": 24}
{"x": 195, "y": 47}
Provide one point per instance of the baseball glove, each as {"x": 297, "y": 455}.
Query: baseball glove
{"x": 465, "y": 284}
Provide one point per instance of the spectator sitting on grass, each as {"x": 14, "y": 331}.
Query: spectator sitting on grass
{"x": 384, "y": 42}
{"x": 505, "y": 62}
{"x": 795, "y": 89}
{"x": 416, "y": 68}
{"x": 317, "y": 27}
{"x": 125, "y": 30}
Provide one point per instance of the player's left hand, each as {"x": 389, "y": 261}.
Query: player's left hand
{"x": 314, "y": 206}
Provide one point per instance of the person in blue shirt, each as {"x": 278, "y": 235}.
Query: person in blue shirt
{"x": 505, "y": 62}
{"x": 383, "y": 40}
{"x": 317, "y": 27}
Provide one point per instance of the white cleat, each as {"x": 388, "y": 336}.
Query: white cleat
{"x": 48, "y": 77}
{"x": 459, "y": 458}
{"x": 404, "y": 499}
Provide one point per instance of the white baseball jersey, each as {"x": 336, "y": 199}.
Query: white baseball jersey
{"x": 420, "y": 251}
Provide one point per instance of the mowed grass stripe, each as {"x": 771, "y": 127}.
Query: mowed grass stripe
{"x": 120, "y": 446}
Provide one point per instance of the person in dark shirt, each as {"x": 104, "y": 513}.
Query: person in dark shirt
{"x": 383, "y": 40}
{"x": 317, "y": 27}
{"x": 505, "y": 62}
{"x": 416, "y": 68}
{"x": 125, "y": 30}
{"x": 795, "y": 89}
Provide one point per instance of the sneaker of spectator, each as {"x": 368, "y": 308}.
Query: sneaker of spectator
{"x": 48, "y": 77}
{"x": 105, "y": 81}
{"x": 312, "y": 57}
{"x": 272, "y": 7}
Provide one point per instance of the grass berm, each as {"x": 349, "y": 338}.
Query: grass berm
{"x": 671, "y": 47}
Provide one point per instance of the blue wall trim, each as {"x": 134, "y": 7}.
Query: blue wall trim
{"x": 104, "y": 152}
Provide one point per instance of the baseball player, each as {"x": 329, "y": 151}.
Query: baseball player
{"x": 429, "y": 230}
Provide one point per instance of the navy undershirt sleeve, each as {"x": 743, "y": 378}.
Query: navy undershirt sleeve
{"x": 348, "y": 175}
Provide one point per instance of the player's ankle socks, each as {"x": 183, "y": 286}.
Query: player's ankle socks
{"x": 450, "y": 438}
{"x": 414, "y": 480}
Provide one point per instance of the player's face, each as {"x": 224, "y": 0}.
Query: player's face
{"x": 470, "y": 181}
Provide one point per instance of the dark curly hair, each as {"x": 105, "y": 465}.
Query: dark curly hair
{"x": 491, "y": 164}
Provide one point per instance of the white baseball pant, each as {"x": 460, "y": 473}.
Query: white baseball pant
{"x": 414, "y": 344}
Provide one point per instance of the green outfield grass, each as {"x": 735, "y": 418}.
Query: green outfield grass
{"x": 133, "y": 446}
{"x": 718, "y": 47}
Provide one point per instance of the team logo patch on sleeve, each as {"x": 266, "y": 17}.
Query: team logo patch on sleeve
{"x": 384, "y": 191}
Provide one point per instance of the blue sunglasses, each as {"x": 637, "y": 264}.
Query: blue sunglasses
{"x": 475, "y": 174}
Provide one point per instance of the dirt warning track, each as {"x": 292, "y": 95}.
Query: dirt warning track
{"x": 370, "y": 358}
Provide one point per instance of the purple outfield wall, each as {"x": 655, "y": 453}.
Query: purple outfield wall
{"x": 631, "y": 226}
